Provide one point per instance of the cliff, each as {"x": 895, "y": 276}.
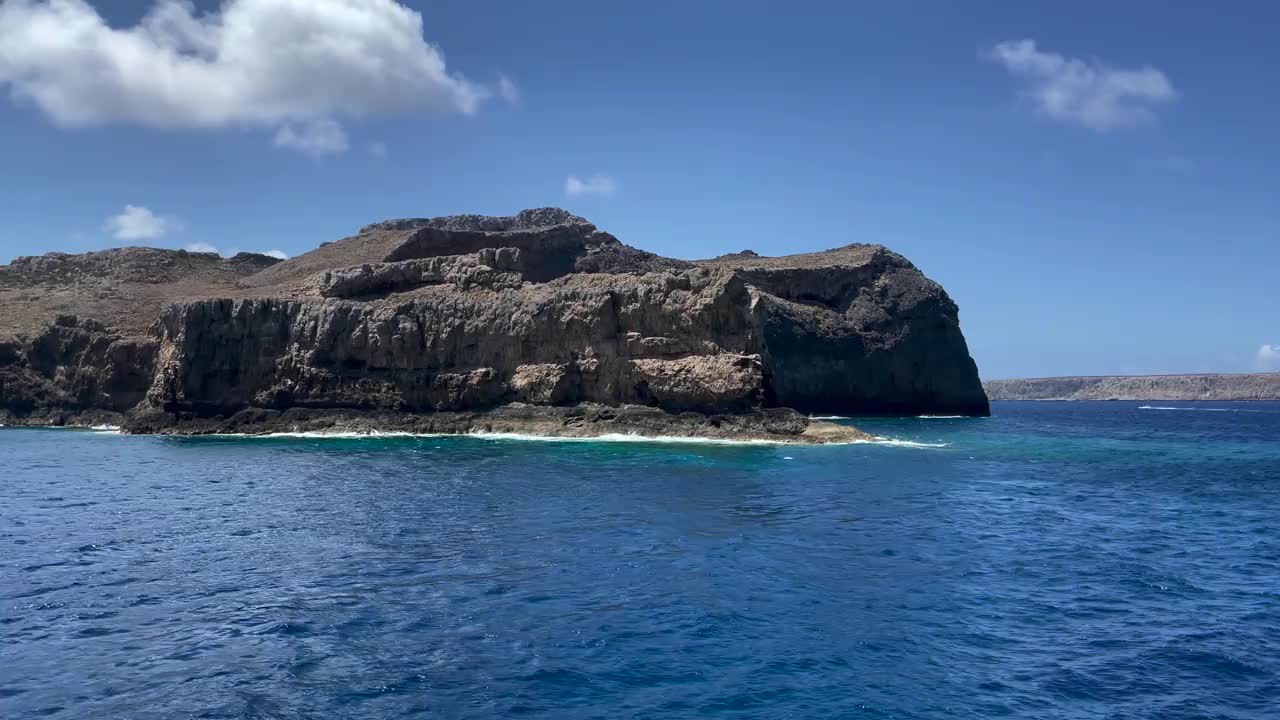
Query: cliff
{"x": 1261, "y": 386}
{"x": 537, "y": 321}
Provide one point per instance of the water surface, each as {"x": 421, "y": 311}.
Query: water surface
{"x": 1057, "y": 560}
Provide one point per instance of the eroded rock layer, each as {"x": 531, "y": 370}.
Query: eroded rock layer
{"x": 449, "y": 320}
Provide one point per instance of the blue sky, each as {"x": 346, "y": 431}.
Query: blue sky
{"x": 1101, "y": 199}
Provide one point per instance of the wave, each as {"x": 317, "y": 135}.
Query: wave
{"x": 628, "y": 438}
{"x": 105, "y": 429}
{"x": 829, "y": 417}
{"x": 328, "y": 435}
{"x": 522, "y": 437}
{"x": 904, "y": 443}
{"x": 1194, "y": 409}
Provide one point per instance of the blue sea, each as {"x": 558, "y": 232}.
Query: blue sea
{"x": 1083, "y": 560}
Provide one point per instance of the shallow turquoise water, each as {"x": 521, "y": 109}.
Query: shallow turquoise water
{"x": 1054, "y": 561}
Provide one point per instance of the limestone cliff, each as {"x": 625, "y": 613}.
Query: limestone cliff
{"x": 539, "y": 319}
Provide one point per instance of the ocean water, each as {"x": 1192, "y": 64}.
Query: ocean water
{"x": 1092, "y": 560}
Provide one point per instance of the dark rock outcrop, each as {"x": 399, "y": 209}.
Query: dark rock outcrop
{"x": 858, "y": 330}
{"x": 75, "y": 369}
{"x": 457, "y": 322}
{"x": 584, "y": 420}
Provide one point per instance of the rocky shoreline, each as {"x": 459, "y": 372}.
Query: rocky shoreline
{"x": 538, "y": 324}
{"x": 781, "y": 426}
{"x": 1154, "y": 388}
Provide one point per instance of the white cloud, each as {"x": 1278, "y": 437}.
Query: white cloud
{"x": 1269, "y": 357}
{"x": 136, "y": 222}
{"x": 595, "y": 185}
{"x": 203, "y": 247}
{"x": 1085, "y": 92}
{"x": 313, "y": 137}
{"x": 508, "y": 90}
{"x": 378, "y": 150}
{"x": 268, "y": 63}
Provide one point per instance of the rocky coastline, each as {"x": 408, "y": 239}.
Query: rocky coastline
{"x": 1154, "y": 388}
{"x": 536, "y": 324}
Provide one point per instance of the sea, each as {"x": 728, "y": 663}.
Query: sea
{"x": 1057, "y": 560}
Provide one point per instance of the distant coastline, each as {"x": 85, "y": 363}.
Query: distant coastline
{"x": 1214, "y": 387}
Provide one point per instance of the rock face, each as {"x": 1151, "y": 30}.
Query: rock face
{"x": 75, "y": 330}
{"x": 538, "y": 319}
{"x": 75, "y": 367}
{"x": 1258, "y": 386}
{"x": 858, "y": 330}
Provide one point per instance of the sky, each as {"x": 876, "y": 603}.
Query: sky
{"x": 1095, "y": 184}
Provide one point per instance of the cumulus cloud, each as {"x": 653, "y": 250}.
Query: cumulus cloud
{"x": 313, "y": 137}
{"x": 283, "y": 64}
{"x": 1084, "y": 92}
{"x": 595, "y": 185}
{"x": 1269, "y": 357}
{"x": 136, "y": 222}
{"x": 200, "y": 247}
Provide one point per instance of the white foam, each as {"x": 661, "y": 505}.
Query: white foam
{"x": 678, "y": 440}
{"x": 519, "y": 437}
{"x": 829, "y": 417}
{"x": 904, "y": 443}
{"x": 626, "y": 438}
{"x": 104, "y": 429}
{"x": 330, "y": 434}
{"x": 940, "y": 417}
{"x": 522, "y": 437}
{"x": 611, "y": 437}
